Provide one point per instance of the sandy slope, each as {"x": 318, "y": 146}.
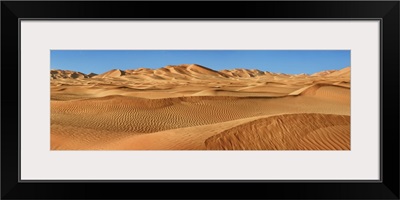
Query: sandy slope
{"x": 195, "y": 108}
{"x": 302, "y": 131}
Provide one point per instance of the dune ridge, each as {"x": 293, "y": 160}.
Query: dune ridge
{"x": 192, "y": 71}
{"x": 286, "y": 132}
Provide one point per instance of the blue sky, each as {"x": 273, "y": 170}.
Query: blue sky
{"x": 278, "y": 61}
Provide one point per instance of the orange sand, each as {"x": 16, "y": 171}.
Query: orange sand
{"x": 191, "y": 107}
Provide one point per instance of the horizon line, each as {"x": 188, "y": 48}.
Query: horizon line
{"x": 194, "y": 64}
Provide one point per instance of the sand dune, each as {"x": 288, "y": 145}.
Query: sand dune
{"x": 56, "y": 74}
{"x": 345, "y": 72}
{"x": 197, "y": 72}
{"x": 324, "y": 73}
{"x": 286, "y": 132}
{"x": 192, "y": 107}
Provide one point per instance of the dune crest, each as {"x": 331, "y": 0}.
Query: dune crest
{"x": 56, "y": 74}
{"x": 193, "y": 71}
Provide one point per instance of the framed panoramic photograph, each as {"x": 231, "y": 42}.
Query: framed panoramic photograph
{"x": 101, "y": 97}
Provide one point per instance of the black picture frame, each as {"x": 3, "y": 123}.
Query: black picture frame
{"x": 386, "y": 11}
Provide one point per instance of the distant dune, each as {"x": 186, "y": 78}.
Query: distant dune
{"x": 341, "y": 73}
{"x": 190, "y": 71}
{"x": 111, "y": 74}
{"x": 192, "y": 107}
{"x": 57, "y": 74}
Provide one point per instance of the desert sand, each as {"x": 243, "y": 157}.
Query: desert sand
{"x": 192, "y": 107}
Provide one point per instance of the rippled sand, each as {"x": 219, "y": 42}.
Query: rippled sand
{"x": 190, "y": 107}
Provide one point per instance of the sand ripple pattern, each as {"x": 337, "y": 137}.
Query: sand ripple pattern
{"x": 191, "y": 107}
{"x": 137, "y": 115}
{"x": 306, "y": 131}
